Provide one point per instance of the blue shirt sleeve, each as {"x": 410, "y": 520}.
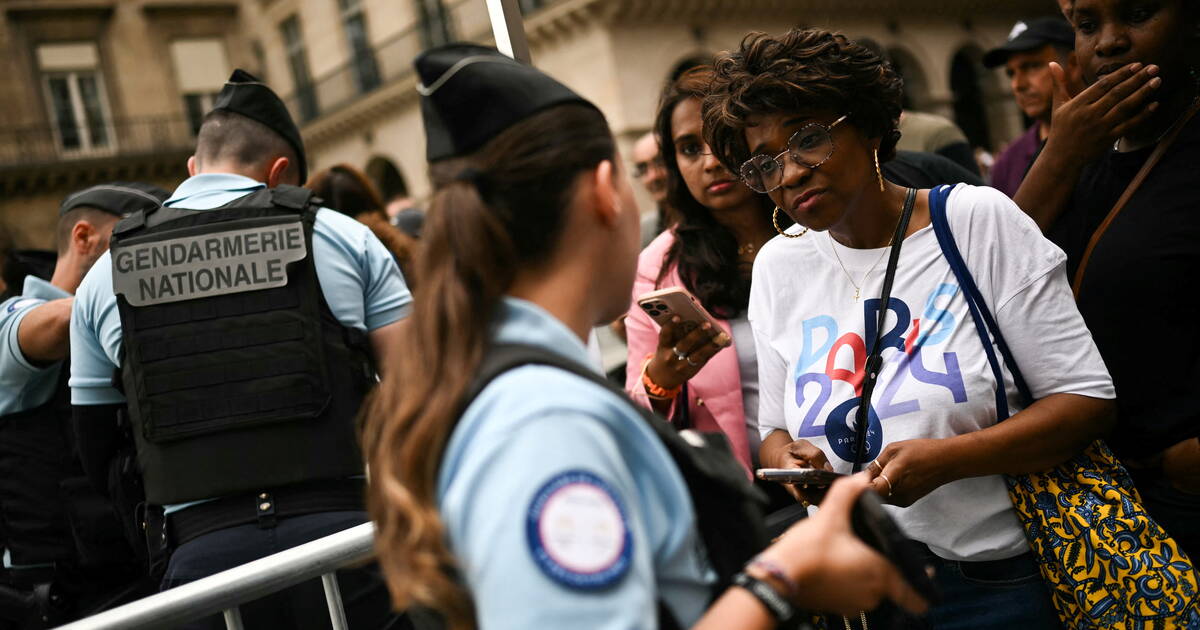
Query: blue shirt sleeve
{"x": 360, "y": 279}
{"x": 95, "y": 338}
{"x": 487, "y": 506}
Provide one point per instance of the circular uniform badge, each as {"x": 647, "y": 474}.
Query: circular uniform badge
{"x": 577, "y": 532}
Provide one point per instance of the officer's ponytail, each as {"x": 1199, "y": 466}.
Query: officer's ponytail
{"x": 496, "y": 212}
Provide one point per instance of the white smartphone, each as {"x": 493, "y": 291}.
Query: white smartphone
{"x": 811, "y": 476}
{"x": 663, "y": 304}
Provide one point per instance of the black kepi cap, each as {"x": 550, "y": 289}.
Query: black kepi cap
{"x": 1030, "y": 35}
{"x": 471, "y": 93}
{"x": 119, "y": 198}
{"x": 245, "y": 94}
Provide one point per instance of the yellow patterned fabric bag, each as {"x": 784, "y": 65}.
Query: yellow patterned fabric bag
{"x": 1108, "y": 564}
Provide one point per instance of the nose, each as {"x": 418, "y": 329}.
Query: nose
{"x": 710, "y": 161}
{"x": 794, "y": 173}
{"x": 1113, "y": 40}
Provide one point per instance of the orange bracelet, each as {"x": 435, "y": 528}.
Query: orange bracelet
{"x": 653, "y": 389}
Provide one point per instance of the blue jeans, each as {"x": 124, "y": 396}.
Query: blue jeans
{"x": 364, "y": 596}
{"x": 993, "y": 595}
{"x": 1000, "y": 594}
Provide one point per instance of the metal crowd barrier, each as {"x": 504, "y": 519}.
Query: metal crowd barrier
{"x": 225, "y": 591}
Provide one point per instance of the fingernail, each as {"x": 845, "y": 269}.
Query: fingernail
{"x": 707, "y": 326}
{"x": 1153, "y": 106}
{"x": 1135, "y": 67}
{"x": 1155, "y": 82}
{"x": 723, "y": 339}
{"x": 1151, "y": 70}
{"x": 675, "y": 320}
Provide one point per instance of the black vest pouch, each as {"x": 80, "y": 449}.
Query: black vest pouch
{"x": 239, "y": 377}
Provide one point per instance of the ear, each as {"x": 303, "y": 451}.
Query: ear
{"x": 192, "y": 166}
{"x": 603, "y": 193}
{"x": 277, "y": 172}
{"x": 82, "y": 235}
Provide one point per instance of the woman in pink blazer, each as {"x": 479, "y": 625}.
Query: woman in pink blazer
{"x": 720, "y": 225}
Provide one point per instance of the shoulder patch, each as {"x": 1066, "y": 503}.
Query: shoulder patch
{"x": 577, "y": 531}
{"x": 23, "y": 303}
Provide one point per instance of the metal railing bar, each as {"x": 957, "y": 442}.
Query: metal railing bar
{"x": 238, "y": 585}
{"x": 233, "y": 618}
{"x": 333, "y": 598}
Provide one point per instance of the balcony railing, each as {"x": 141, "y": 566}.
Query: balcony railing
{"x": 42, "y": 144}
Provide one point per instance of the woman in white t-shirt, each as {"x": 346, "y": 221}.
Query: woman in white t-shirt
{"x": 807, "y": 118}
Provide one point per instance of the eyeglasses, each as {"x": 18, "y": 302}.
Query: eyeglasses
{"x": 811, "y": 146}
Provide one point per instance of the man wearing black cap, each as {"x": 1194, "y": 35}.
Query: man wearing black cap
{"x": 42, "y": 487}
{"x": 1026, "y": 58}
{"x": 246, "y": 322}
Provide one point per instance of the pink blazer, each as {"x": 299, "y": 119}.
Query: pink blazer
{"x": 715, "y": 393}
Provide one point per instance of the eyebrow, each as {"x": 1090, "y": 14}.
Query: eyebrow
{"x": 685, "y": 136}
{"x": 787, "y": 123}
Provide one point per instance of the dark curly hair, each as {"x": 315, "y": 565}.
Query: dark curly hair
{"x": 804, "y": 69}
{"x": 704, "y": 251}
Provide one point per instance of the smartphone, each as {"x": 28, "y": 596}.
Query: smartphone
{"x": 810, "y": 476}
{"x": 872, "y": 524}
{"x": 664, "y": 304}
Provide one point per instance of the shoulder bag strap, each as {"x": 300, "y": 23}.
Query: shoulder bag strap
{"x": 1151, "y": 161}
{"x": 874, "y": 359}
{"x": 980, "y": 314}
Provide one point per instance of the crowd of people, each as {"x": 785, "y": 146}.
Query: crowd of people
{"x": 261, "y": 357}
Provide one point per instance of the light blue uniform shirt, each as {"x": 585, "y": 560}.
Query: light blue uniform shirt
{"x": 531, "y": 426}
{"x": 24, "y": 385}
{"x": 359, "y": 278}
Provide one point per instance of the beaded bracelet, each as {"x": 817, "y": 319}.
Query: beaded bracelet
{"x": 776, "y": 572}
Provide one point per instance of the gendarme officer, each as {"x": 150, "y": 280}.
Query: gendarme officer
{"x": 64, "y": 553}
{"x": 245, "y": 322}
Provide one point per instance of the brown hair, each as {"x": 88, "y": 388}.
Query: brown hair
{"x": 804, "y": 69}
{"x": 704, "y": 251}
{"x": 347, "y": 190}
{"x": 494, "y": 212}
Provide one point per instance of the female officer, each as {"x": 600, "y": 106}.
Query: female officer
{"x": 549, "y": 497}
{"x": 807, "y": 118}
{"x": 710, "y": 251}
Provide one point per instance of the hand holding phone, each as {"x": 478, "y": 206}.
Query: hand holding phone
{"x": 663, "y": 304}
{"x": 689, "y": 336}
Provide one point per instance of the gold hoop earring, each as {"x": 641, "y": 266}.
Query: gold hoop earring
{"x": 878, "y": 173}
{"x": 775, "y": 221}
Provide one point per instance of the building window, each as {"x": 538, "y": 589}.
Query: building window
{"x": 529, "y": 6}
{"x": 75, "y": 96}
{"x": 435, "y": 25}
{"x": 354, "y": 21}
{"x": 200, "y": 72}
{"x": 297, "y": 56}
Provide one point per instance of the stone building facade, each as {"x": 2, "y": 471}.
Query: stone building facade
{"x": 344, "y": 67}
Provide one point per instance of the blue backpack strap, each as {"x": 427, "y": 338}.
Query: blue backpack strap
{"x": 982, "y": 316}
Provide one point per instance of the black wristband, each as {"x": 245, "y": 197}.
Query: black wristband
{"x": 778, "y": 605}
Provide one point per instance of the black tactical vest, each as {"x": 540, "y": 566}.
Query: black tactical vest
{"x": 239, "y": 377}
{"x": 36, "y": 455}
{"x": 729, "y": 509}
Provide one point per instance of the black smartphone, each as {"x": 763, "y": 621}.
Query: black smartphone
{"x": 872, "y": 524}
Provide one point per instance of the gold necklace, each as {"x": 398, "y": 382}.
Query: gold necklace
{"x": 858, "y": 289}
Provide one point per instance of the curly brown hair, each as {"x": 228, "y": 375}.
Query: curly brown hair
{"x": 804, "y": 69}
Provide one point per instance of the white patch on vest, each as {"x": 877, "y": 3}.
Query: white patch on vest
{"x": 234, "y": 260}
{"x": 577, "y": 531}
{"x": 693, "y": 438}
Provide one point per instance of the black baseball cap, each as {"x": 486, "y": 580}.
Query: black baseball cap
{"x": 1030, "y": 35}
{"x": 245, "y": 94}
{"x": 469, "y": 94}
{"x": 119, "y": 198}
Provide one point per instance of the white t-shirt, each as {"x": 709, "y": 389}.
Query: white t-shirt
{"x": 936, "y": 381}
